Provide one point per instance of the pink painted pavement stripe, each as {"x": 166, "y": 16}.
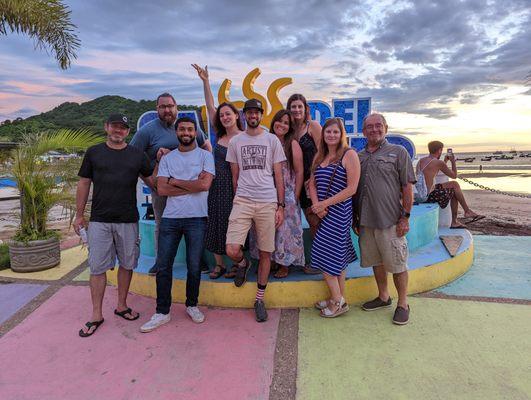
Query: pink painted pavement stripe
{"x": 229, "y": 356}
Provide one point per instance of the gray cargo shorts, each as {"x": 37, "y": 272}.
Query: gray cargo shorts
{"x": 107, "y": 241}
{"x": 383, "y": 247}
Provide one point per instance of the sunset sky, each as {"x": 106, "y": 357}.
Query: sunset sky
{"x": 449, "y": 70}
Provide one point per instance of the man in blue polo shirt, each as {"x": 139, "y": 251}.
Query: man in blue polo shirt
{"x": 156, "y": 138}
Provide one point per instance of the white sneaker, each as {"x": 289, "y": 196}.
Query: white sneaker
{"x": 155, "y": 321}
{"x": 196, "y": 315}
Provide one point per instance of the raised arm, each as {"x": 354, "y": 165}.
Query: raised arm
{"x": 209, "y": 98}
{"x": 451, "y": 173}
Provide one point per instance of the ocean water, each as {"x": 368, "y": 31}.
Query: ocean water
{"x": 506, "y": 175}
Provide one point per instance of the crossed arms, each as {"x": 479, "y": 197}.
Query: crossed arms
{"x": 179, "y": 187}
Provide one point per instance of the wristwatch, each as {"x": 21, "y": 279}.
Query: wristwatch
{"x": 283, "y": 205}
{"x": 405, "y": 214}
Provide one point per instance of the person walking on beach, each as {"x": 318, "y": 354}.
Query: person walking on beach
{"x": 256, "y": 159}
{"x": 334, "y": 180}
{"x": 185, "y": 175}
{"x": 308, "y": 134}
{"x": 385, "y": 199}
{"x": 113, "y": 168}
{"x": 289, "y": 244}
{"x": 156, "y": 138}
{"x": 447, "y": 192}
{"x": 227, "y": 124}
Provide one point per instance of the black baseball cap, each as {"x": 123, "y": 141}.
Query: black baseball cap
{"x": 118, "y": 118}
{"x": 253, "y": 103}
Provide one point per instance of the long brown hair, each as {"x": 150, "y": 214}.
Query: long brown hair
{"x": 220, "y": 129}
{"x": 300, "y": 97}
{"x": 322, "y": 150}
{"x": 288, "y": 138}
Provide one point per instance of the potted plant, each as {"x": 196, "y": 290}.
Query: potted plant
{"x": 44, "y": 182}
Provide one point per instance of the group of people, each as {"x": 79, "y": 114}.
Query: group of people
{"x": 247, "y": 193}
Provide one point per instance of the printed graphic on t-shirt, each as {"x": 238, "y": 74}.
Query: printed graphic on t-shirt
{"x": 254, "y": 156}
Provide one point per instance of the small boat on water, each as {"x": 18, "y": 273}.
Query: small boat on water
{"x": 487, "y": 158}
{"x": 470, "y": 159}
{"x": 498, "y": 152}
{"x": 513, "y": 151}
{"x": 506, "y": 157}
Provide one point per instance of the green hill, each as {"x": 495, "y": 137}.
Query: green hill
{"x": 91, "y": 114}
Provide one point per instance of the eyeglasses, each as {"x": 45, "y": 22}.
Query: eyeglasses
{"x": 376, "y": 126}
{"x": 165, "y": 106}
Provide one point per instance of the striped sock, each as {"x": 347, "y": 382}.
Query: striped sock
{"x": 260, "y": 292}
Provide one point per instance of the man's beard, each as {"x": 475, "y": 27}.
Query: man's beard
{"x": 253, "y": 123}
{"x": 186, "y": 141}
{"x": 116, "y": 139}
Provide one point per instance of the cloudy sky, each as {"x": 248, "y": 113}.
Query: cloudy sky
{"x": 449, "y": 70}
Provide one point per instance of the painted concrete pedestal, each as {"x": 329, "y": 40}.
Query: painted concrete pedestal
{"x": 430, "y": 266}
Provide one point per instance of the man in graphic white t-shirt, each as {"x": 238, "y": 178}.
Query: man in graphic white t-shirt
{"x": 256, "y": 163}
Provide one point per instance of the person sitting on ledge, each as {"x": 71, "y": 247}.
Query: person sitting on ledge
{"x": 447, "y": 192}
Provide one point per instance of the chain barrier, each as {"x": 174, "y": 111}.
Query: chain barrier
{"x": 524, "y": 196}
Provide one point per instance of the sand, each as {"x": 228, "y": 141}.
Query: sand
{"x": 505, "y": 215}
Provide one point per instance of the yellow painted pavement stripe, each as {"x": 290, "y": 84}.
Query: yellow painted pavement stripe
{"x": 70, "y": 259}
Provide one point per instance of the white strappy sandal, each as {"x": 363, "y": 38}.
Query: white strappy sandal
{"x": 342, "y": 307}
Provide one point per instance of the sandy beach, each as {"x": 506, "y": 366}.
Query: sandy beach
{"x": 505, "y": 215}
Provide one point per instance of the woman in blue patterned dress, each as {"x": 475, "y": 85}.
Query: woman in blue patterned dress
{"x": 334, "y": 180}
{"x": 227, "y": 124}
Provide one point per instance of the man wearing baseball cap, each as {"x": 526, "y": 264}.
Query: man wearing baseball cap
{"x": 113, "y": 168}
{"x": 256, "y": 165}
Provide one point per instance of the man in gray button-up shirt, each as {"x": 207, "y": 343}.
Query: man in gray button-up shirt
{"x": 385, "y": 198}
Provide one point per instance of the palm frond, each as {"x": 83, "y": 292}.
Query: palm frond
{"x": 43, "y": 183}
{"x": 46, "y": 21}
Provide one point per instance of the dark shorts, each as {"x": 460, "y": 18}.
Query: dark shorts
{"x": 440, "y": 195}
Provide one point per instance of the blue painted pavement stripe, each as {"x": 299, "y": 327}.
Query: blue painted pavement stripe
{"x": 15, "y": 296}
{"x": 502, "y": 268}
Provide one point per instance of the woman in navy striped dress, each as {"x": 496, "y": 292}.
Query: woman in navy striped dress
{"x": 334, "y": 180}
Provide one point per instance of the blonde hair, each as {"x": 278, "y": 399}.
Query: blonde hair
{"x": 322, "y": 149}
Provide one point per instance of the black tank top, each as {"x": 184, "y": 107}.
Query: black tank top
{"x": 309, "y": 149}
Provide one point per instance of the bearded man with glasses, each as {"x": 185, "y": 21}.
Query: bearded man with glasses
{"x": 157, "y": 138}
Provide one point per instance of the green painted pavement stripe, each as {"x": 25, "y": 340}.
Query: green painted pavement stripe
{"x": 450, "y": 350}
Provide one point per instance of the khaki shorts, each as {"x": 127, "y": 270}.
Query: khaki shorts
{"x": 108, "y": 241}
{"x": 244, "y": 213}
{"x": 383, "y": 247}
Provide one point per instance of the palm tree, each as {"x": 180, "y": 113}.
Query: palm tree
{"x": 46, "y": 21}
{"x": 43, "y": 184}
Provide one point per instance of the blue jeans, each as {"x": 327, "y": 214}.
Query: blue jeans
{"x": 171, "y": 231}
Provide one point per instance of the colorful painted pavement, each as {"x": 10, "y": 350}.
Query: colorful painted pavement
{"x": 468, "y": 340}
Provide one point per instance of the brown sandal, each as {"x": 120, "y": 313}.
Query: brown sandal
{"x": 282, "y": 272}
{"x": 231, "y": 273}
{"x": 217, "y": 272}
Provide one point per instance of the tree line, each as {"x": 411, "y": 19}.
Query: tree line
{"x": 89, "y": 115}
